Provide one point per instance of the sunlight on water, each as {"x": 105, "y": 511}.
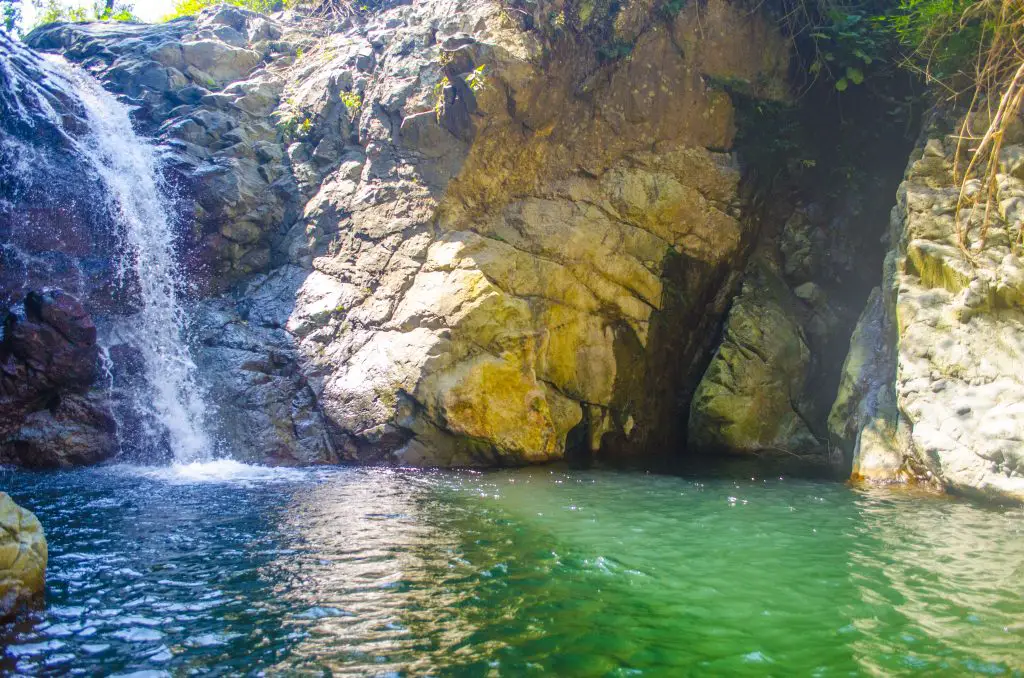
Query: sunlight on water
{"x": 239, "y": 570}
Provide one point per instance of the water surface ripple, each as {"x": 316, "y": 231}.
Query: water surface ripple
{"x": 224, "y": 569}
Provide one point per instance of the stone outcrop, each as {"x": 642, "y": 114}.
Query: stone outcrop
{"x": 50, "y": 413}
{"x": 208, "y": 89}
{"x": 23, "y": 558}
{"x": 752, "y": 397}
{"x": 769, "y": 385}
{"x": 476, "y": 239}
{"x": 932, "y": 389}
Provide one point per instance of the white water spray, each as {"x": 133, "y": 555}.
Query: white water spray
{"x": 127, "y": 165}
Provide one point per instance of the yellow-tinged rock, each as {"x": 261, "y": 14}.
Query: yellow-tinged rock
{"x": 23, "y": 557}
{"x": 496, "y": 400}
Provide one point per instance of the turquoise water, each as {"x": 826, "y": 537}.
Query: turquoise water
{"x": 236, "y": 570}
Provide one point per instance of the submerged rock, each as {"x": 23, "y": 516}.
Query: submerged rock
{"x": 932, "y": 387}
{"x": 23, "y": 557}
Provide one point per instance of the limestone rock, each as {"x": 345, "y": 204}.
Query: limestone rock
{"x": 23, "y": 557}
{"x": 949, "y": 340}
{"x": 533, "y": 274}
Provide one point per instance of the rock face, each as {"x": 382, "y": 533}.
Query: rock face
{"x": 54, "y": 235}
{"x": 208, "y": 89}
{"x": 53, "y": 230}
{"x": 750, "y": 400}
{"x": 932, "y": 387}
{"x": 50, "y": 416}
{"x": 23, "y": 558}
{"x": 454, "y": 234}
{"x": 769, "y": 385}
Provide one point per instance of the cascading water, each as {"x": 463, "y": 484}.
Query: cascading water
{"x": 127, "y": 166}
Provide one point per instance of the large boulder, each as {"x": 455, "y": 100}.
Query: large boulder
{"x": 50, "y": 413}
{"x": 752, "y": 397}
{"x": 531, "y": 269}
{"x": 941, "y": 398}
{"x": 23, "y": 558}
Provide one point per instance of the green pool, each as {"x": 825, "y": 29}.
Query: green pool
{"x": 232, "y": 570}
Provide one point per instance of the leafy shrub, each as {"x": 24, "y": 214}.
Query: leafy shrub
{"x": 353, "y": 102}
{"x": 190, "y": 7}
{"x": 53, "y": 11}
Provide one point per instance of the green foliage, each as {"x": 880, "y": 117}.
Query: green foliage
{"x": 845, "y": 45}
{"x": 936, "y": 32}
{"x": 10, "y": 16}
{"x": 477, "y": 79}
{"x": 53, "y": 11}
{"x": 353, "y": 103}
{"x": 293, "y": 122}
{"x": 190, "y": 7}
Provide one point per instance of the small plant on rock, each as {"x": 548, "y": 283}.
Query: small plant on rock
{"x": 353, "y": 103}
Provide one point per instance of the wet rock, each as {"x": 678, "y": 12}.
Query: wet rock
{"x": 53, "y": 230}
{"x": 50, "y": 413}
{"x": 23, "y": 557}
{"x": 208, "y": 86}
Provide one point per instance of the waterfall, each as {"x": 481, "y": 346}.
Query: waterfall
{"x": 128, "y": 167}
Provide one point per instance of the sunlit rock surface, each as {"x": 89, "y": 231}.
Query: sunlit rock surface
{"x": 22, "y": 558}
{"x": 932, "y": 388}
{"x": 475, "y": 239}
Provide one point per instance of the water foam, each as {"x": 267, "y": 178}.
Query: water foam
{"x": 128, "y": 167}
{"x": 216, "y": 471}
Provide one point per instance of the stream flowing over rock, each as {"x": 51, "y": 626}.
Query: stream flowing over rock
{"x": 23, "y": 558}
{"x": 932, "y": 387}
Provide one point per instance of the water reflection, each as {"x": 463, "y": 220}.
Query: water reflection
{"x": 945, "y": 578}
{"x": 369, "y": 546}
{"x": 366, "y": 571}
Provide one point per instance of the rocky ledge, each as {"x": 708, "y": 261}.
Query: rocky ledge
{"x": 450, "y": 232}
{"x": 932, "y": 389}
